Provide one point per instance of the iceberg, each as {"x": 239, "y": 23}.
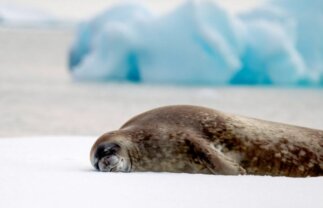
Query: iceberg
{"x": 308, "y": 17}
{"x": 270, "y": 56}
{"x": 104, "y": 47}
{"x": 201, "y": 43}
{"x": 187, "y": 46}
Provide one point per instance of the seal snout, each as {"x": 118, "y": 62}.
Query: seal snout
{"x": 108, "y": 163}
{"x": 106, "y": 156}
{"x": 110, "y": 157}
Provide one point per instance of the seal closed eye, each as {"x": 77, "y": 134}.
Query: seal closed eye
{"x": 194, "y": 139}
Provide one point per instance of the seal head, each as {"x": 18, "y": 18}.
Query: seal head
{"x": 110, "y": 155}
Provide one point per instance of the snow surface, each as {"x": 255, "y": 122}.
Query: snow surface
{"x": 56, "y": 172}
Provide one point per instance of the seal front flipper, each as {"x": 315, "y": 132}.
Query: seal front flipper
{"x": 214, "y": 160}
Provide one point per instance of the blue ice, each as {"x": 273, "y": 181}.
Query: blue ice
{"x": 200, "y": 43}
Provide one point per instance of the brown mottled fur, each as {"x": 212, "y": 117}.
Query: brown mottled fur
{"x": 200, "y": 140}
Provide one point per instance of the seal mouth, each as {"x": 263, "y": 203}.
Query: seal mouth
{"x": 108, "y": 163}
{"x": 111, "y": 163}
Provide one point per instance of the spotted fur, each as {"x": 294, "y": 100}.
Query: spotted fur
{"x": 195, "y": 139}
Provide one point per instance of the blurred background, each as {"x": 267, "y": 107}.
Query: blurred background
{"x": 85, "y": 67}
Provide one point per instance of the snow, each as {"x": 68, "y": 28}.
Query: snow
{"x": 56, "y": 172}
{"x": 202, "y": 42}
{"x": 18, "y": 15}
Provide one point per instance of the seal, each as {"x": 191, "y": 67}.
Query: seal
{"x": 194, "y": 139}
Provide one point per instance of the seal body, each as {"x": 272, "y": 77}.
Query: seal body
{"x": 195, "y": 139}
